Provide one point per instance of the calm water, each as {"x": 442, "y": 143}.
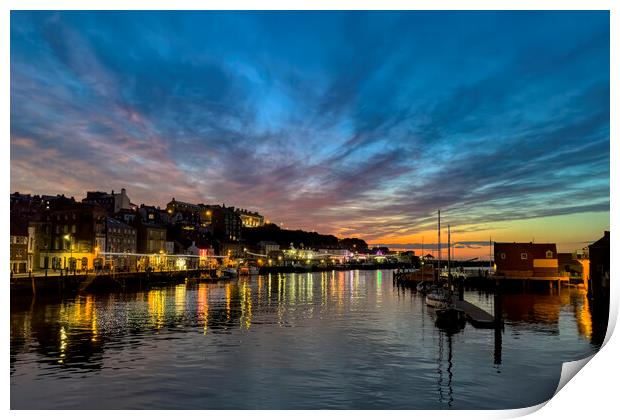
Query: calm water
{"x": 322, "y": 340}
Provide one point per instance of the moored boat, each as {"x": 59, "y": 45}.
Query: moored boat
{"x": 229, "y": 271}
{"x": 450, "y": 318}
{"x": 438, "y": 299}
{"x": 248, "y": 270}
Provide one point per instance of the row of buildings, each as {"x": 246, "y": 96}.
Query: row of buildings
{"x": 57, "y": 232}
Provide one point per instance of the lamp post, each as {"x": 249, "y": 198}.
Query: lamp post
{"x": 96, "y": 258}
{"x": 69, "y": 238}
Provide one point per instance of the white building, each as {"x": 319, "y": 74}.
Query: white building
{"x": 268, "y": 246}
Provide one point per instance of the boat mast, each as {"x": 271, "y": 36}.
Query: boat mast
{"x": 490, "y": 256}
{"x": 438, "y": 243}
{"x": 449, "y": 246}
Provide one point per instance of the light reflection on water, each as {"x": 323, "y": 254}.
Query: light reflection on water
{"x": 321, "y": 340}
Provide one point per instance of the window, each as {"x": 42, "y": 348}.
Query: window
{"x": 549, "y": 254}
{"x": 524, "y": 255}
{"x": 72, "y": 228}
{"x": 502, "y": 255}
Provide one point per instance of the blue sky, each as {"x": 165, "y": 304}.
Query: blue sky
{"x": 352, "y": 123}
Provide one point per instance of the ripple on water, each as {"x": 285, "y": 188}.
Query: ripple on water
{"x": 326, "y": 340}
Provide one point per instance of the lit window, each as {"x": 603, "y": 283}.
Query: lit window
{"x": 549, "y": 254}
{"x": 524, "y": 256}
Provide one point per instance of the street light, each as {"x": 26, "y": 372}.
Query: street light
{"x": 69, "y": 238}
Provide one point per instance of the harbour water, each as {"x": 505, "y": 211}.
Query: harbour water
{"x": 331, "y": 340}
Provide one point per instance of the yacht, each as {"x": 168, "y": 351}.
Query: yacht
{"x": 438, "y": 299}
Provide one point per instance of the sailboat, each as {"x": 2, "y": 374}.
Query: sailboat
{"x": 438, "y": 298}
{"x": 449, "y": 316}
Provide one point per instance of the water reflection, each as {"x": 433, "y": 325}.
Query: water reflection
{"x": 542, "y": 309}
{"x": 246, "y": 306}
{"x": 546, "y": 309}
{"x": 157, "y": 306}
{"x": 329, "y": 339}
{"x": 64, "y": 335}
{"x": 202, "y": 306}
{"x": 444, "y": 370}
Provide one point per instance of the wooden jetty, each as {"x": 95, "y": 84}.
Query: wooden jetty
{"x": 476, "y": 316}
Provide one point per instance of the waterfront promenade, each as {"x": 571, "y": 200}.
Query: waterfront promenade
{"x": 63, "y": 282}
{"x": 51, "y": 281}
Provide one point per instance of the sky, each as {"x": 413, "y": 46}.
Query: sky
{"x": 348, "y": 123}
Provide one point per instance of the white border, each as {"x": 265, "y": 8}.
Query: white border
{"x": 591, "y": 394}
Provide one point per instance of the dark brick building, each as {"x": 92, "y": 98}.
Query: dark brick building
{"x": 120, "y": 237}
{"x": 151, "y": 238}
{"x": 77, "y": 233}
{"x": 112, "y": 202}
{"x": 226, "y": 224}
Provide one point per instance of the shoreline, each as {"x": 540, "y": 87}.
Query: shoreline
{"x": 39, "y": 284}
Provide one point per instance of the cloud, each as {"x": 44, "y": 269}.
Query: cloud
{"x": 364, "y": 128}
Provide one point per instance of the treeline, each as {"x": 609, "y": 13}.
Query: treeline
{"x": 300, "y": 238}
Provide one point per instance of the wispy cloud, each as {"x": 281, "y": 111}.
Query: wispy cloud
{"x": 365, "y": 127}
